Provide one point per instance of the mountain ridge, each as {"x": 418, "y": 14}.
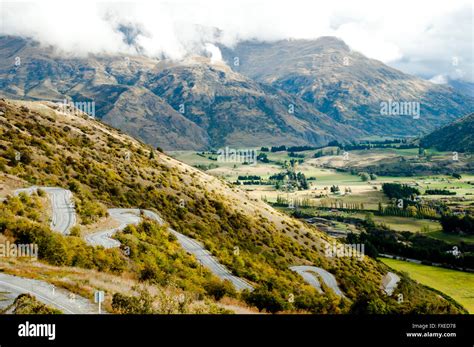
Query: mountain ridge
{"x": 346, "y": 85}
{"x": 219, "y": 106}
{"x": 293, "y": 92}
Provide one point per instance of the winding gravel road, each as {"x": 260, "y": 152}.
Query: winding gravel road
{"x": 308, "y": 273}
{"x": 68, "y": 302}
{"x": 132, "y": 216}
{"x": 207, "y": 260}
{"x": 390, "y": 282}
{"x": 308, "y": 277}
{"x": 124, "y": 216}
{"x": 64, "y": 217}
{"x": 64, "y": 213}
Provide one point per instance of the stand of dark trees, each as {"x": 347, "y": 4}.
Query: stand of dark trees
{"x": 381, "y": 239}
{"x": 439, "y": 192}
{"x": 298, "y": 180}
{"x": 456, "y": 224}
{"x": 399, "y": 191}
{"x": 249, "y": 177}
{"x": 263, "y": 158}
{"x": 295, "y": 155}
{"x": 288, "y": 149}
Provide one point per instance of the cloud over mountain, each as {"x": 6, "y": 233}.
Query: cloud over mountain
{"x": 393, "y": 31}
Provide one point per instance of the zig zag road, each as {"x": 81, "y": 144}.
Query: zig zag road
{"x": 64, "y": 214}
{"x": 131, "y": 216}
{"x": 64, "y": 218}
{"x": 309, "y": 275}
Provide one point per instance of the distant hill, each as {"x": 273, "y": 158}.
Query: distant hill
{"x": 457, "y": 136}
{"x": 234, "y": 109}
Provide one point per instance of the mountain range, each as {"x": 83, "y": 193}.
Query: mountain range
{"x": 293, "y": 92}
{"x": 348, "y": 86}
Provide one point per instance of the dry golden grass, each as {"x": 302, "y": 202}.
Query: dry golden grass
{"x": 236, "y": 199}
{"x": 9, "y": 183}
{"x": 237, "y": 306}
{"x": 102, "y": 224}
{"x": 353, "y": 160}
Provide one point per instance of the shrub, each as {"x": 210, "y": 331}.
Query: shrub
{"x": 364, "y": 176}
{"x": 28, "y": 304}
{"x": 218, "y": 289}
{"x": 75, "y": 231}
{"x": 265, "y": 300}
{"x": 141, "y": 304}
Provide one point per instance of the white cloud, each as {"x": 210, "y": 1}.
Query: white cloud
{"x": 215, "y": 52}
{"x": 419, "y": 37}
{"x": 439, "y": 79}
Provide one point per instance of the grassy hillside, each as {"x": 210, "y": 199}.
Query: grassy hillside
{"x": 457, "y": 136}
{"x": 153, "y": 256}
{"x": 105, "y": 168}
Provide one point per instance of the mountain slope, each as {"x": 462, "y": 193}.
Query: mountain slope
{"x": 463, "y": 87}
{"x": 235, "y": 110}
{"x": 346, "y": 85}
{"x": 254, "y": 241}
{"x": 457, "y": 136}
{"x": 187, "y": 105}
{"x": 144, "y": 115}
{"x": 31, "y": 71}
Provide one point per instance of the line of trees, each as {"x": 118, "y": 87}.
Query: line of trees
{"x": 249, "y": 177}
{"x": 325, "y": 203}
{"x": 289, "y": 149}
{"x": 439, "y": 192}
{"x": 340, "y": 204}
{"x": 416, "y": 211}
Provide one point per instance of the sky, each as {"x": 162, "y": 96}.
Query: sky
{"x": 430, "y": 38}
